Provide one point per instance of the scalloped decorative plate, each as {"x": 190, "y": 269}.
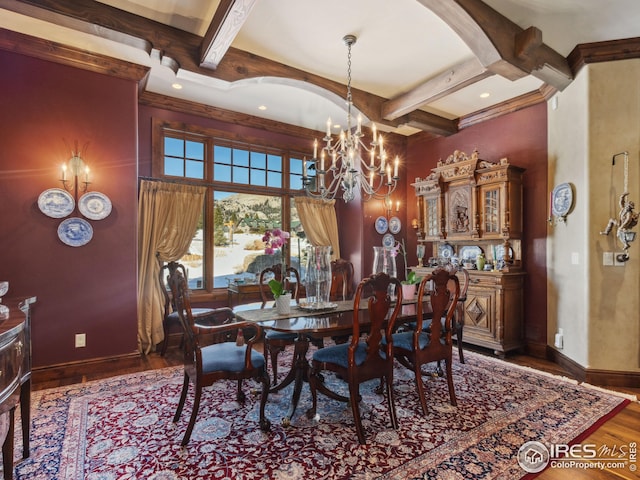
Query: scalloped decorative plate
{"x": 75, "y": 232}
{"x": 56, "y": 203}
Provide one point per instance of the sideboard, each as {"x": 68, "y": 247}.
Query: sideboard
{"x": 493, "y": 311}
{"x": 15, "y": 376}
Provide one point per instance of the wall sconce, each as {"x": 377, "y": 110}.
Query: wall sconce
{"x": 59, "y": 203}
{"x": 388, "y": 204}
{"x": 627, "y": 218}
{"x": 76, "y": 167}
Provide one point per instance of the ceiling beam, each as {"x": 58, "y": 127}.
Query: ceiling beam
{"x": 227, "y": 22}
{"x": 499, "y": 44}
{"x": 452, "y": 80}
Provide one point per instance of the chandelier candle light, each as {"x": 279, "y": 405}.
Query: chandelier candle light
{"x": 343, "y": 159}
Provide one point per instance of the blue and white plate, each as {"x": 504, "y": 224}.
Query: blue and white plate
{"x": 75, "y": 232}
{"x": 395, "y": 225}
{"x": 56, "y": 203}
{"x": 94, "y": 205}
{"x": 388, "y": 241}
{"x": 381, "y": 225}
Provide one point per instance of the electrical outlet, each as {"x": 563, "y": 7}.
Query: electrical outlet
{"x": 559, "y": 339}
{"x": 607, "y": 259}
{"x": 81, "y": 340}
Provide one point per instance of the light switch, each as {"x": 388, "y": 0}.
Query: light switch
{"x": 607, "y": 259}
{"x": 575, "y": 258}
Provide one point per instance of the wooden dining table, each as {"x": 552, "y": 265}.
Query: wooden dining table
{"x": 307, "y": 322}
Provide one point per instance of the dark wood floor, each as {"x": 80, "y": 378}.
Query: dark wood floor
{"x": 623, "y": 429}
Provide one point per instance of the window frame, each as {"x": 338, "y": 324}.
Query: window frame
{"x": 212, "y": 137}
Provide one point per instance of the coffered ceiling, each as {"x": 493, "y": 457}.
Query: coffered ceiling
{"x": 417, "y": 65}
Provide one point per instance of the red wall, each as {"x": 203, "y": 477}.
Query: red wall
{"x": 522, "y": 138}
{"x": 89, "y": 289}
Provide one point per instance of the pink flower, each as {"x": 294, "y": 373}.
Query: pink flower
{"x": 274, "y": 239}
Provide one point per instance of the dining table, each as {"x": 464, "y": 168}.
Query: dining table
{"x": 305, "y": 321}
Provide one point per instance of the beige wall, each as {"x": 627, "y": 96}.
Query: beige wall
{"x": 597, "y": 307}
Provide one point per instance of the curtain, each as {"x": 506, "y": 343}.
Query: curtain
{"x": 320, "y": 223}
{"x": 168, "y": 216}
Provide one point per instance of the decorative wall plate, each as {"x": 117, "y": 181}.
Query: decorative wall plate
{"x": 500, "y": 252}
{"x": 562, "y": 199}
{"x": 395, "y": 225}
{"x": 445, "y": 250}
{"x": 469, "y": 253}
{"x": 94, "y": 205}
{"x": 75, "y": 232}
{"x": 388, "y": 240}
{"x": 56, "y": 203}
{"x": 381, "y": 225}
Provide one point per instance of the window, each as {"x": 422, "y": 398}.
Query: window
{"x": 250, "y": 189}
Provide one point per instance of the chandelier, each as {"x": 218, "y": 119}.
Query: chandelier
{"x": 346, "y": 164}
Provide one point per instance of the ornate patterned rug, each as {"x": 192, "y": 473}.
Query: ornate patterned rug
{"x": 121, "y": 428}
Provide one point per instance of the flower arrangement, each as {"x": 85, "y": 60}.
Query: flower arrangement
{"x": 410, "y": 277}
{"x": 275, "y": 240}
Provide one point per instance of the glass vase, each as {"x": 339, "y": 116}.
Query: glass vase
{"x": 383, "y": 261}
{"x": 318, "y": 271}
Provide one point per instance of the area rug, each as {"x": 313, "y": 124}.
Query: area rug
{"x": 121, "y": 428}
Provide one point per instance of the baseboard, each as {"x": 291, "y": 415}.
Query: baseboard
{"x": 603, "y": 378}
{"x": 84, "y": 368}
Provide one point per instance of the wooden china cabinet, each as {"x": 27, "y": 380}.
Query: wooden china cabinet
{"x": 469, "y": 206}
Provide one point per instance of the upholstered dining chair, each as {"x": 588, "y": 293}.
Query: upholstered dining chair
{"x": 415, "y": 348}
{"x": 228, "y": 357}
{"x": 170, "y": 317}
{"x": 362, "y": 358}
{"x": 341, "y": 280}
{"x": 276, "y": 342}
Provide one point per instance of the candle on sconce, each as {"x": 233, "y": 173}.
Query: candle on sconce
{"x": 304, "y": 168}
{"x": 397, "y": 205}
{"x": 329, "y": 127}
{"x": 64, "y": 171}
{"x": 388, "y": 174}
{"x": 322, "y": 161}
{"x": 315, "y": 148}
{"x": 371, "y": 179}
{"x": 373, "y": 156}
{"x": 395, "y": 166}
{"x": 86, "y": 174}
{"x": 359, "y": 129}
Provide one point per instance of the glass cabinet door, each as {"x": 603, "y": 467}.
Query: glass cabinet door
{"x": 432, "y": 222}
{"x": 491, "y": 211}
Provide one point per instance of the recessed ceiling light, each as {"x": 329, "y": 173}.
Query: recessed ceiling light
{"x": 485, "y": 95}
{"x": 177, "y": 86}
{"x": 262, "y": 107}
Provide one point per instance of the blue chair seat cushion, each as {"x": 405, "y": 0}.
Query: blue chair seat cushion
{"x": 273, "y": 335}
{"x": 228, "y": 357}
{"x": 338, "y": 354}
{"x": 404, "y": 340}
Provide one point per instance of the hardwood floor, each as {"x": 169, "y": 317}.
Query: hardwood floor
{"x": 620, "y": 431}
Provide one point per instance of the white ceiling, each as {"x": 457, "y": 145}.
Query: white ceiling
{"x": 401, "y": 44}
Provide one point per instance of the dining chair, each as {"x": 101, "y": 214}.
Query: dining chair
{"x": 170, "y": 317}
{"x": 415, "y": 348}
{"x": 342, "y": 274}
{"x": 219, "y": 352}
{"x": 362, "y": 358}
{"x": 276, "y": 342}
